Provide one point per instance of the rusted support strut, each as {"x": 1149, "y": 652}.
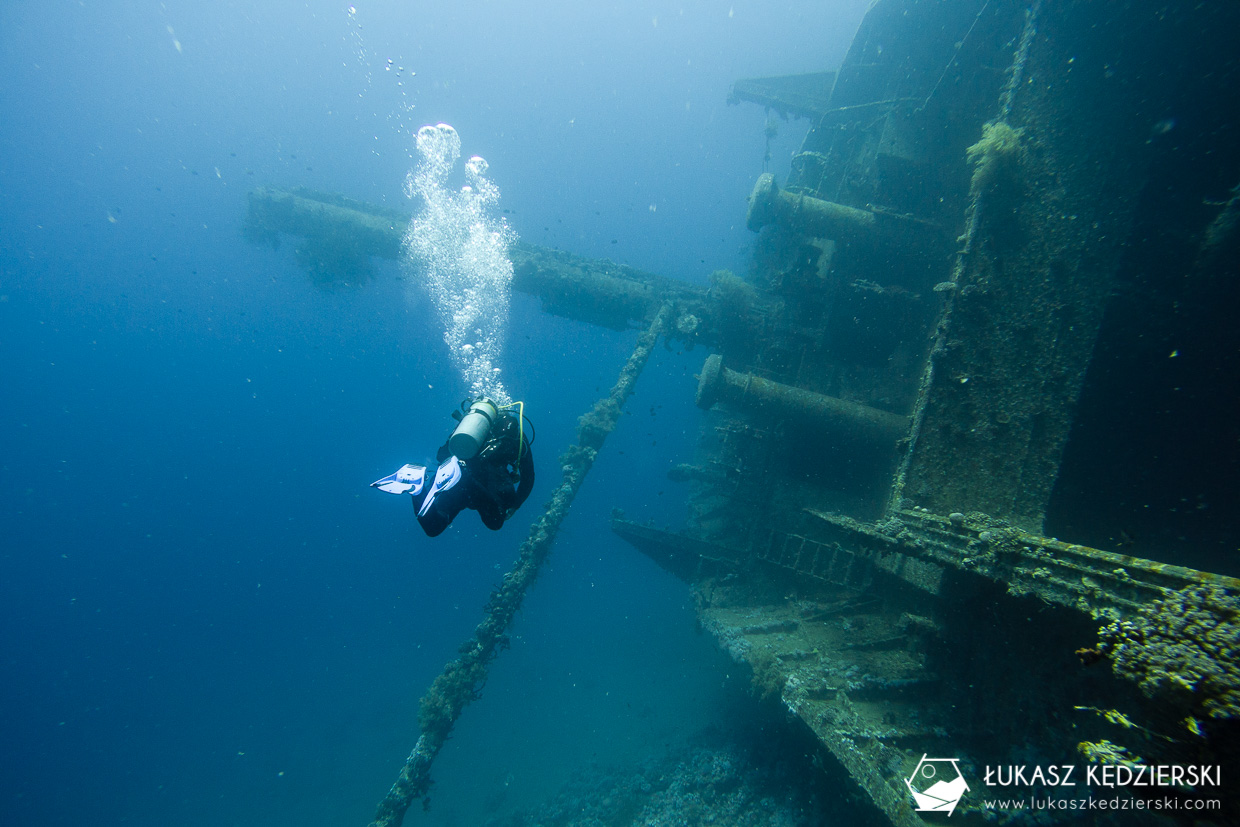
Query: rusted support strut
{"x": 718, "y": 383}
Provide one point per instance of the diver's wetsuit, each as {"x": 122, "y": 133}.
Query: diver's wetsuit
{"x": 487, "y": 482}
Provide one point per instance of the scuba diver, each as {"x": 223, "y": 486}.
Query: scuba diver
{"x": 485, "y": 465}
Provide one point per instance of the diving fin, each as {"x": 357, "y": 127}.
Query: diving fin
{"x": 448, "y": 475}
{"x": 408, "y": 479}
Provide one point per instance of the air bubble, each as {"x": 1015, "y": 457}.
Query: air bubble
{"x": 457, "y": 248}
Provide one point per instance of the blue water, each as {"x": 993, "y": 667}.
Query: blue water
{"x": 208, "y": 617}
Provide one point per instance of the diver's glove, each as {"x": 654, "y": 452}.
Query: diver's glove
{"x": 409, "y": 479}
{"x": 448, "y": 475}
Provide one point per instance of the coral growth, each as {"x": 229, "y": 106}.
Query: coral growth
{"x": 768, "y": 678}
{"x": 1105, "y": 752}
{"x": 1184, "y": 645}
{"x": 995, "y": 156}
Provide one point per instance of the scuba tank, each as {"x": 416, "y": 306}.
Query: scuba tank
{"x": 474, "y": 428}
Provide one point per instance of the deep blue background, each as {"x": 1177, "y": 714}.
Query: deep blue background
{"x": 208, "y": 617}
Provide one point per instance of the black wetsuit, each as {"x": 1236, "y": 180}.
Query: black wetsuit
{"x": 494, "y": 483}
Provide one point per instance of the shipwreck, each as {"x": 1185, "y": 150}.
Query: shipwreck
{"x": 1007, "y": 245}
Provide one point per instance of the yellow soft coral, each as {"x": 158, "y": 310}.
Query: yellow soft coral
{"x": 1105, "y": 752}
{"x": 995, "y": 155}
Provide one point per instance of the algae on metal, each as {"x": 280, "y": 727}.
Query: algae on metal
{"x": 337, "y": 238}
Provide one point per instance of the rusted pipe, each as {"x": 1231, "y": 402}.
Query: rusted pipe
{"x": 806, "y": 214}
{"x": 718, "y": 383}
